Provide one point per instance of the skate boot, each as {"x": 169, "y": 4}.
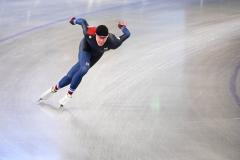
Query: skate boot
{"x": 47, "y": 94}
{"x": 65, "y": 100}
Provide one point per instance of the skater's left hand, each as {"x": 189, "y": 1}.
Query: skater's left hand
{"x": 122, "y": 24}
{"x": 72, "y": 20}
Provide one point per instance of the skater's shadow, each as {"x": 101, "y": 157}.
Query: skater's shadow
{"x": 56, "y": 111}
{"x": 49, "y": 108}
{"x": 84, "y": 133}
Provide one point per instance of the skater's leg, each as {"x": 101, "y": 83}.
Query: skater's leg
{"x": 84, "y": 61}
{"x": 81, "y": 70}
{"x": 66, "y": 80}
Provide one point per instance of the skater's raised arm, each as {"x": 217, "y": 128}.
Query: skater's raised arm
{"x": 80, "y": 21}
{"x": 116, "y": 42}
{"x": 125, "y": 35}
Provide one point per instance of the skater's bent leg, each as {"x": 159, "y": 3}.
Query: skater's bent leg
{"x": 84, "y": 62}
{"x": 66, "y": 80}
{"x": 78, "y": 77}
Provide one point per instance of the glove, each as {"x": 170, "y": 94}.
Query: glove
{"x": 72, "y": 21}
{"x": 122, "y": 24}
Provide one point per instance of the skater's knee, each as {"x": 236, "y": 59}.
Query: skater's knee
{"x": 84, "y": 69}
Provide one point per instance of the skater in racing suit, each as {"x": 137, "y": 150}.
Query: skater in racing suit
{"x": 96, "y": 41}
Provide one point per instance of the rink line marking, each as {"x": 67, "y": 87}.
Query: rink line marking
{"x": 13, "y": 36}
{"x": 233, "y": 84}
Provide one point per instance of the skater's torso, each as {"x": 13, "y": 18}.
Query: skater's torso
{"x": 90, "y": 45}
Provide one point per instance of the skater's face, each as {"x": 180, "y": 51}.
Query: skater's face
{"x": 101, "y": 40}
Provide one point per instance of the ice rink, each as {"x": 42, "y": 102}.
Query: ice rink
{"x": 170, "y": 92}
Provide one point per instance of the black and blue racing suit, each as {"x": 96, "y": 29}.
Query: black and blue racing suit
{"x": 89, "y": 53}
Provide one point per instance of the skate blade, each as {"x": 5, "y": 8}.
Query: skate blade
{"x": 40, "y": 100}
{"x": 61, "y": 108}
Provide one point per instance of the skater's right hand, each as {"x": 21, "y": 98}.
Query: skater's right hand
{"x": 72, "y": 21}
{"x": 122, "y": 24}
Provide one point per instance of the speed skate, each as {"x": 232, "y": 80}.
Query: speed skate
{"x": 50, "y": 92}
